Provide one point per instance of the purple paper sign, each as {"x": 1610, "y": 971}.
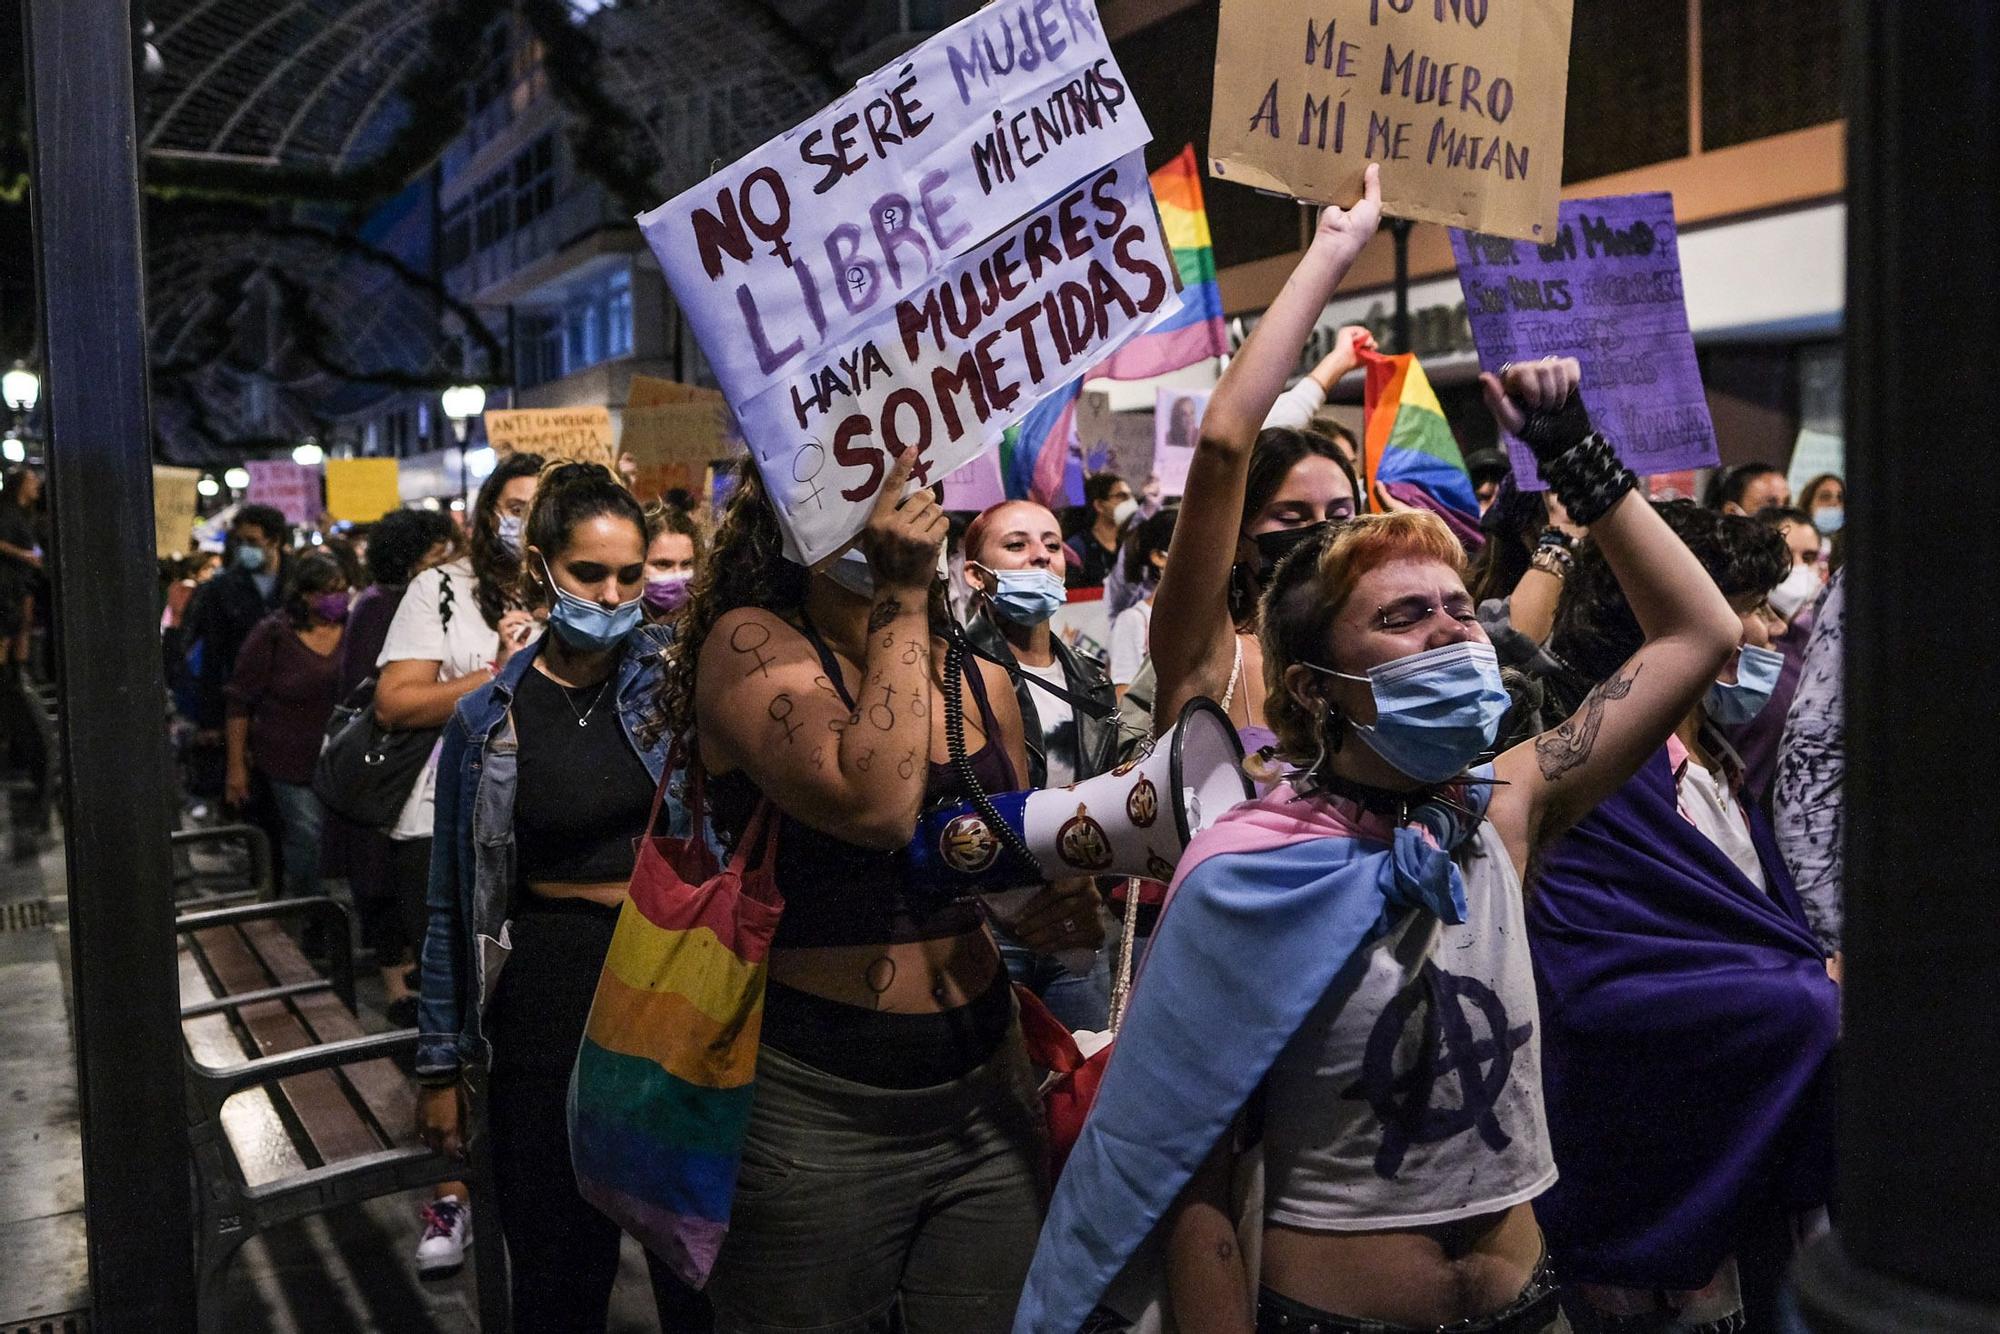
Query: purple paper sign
{"x": 292, "y": 489}
{"x": 1607, "y": 291}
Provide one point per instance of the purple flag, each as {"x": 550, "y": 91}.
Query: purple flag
{"x": 1607, "y": 291}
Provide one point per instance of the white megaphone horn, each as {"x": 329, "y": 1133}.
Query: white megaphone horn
{"x": 1133, "y": 821}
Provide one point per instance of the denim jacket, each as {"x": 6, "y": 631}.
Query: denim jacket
{"x": 472, "y": 852}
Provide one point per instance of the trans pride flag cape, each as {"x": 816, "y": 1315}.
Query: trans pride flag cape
{"x": 1408, "y": 443}
{"x": 1268, "y": 910}
{"x": 1039, "y": 454}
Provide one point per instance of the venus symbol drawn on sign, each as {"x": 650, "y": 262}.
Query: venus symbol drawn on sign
{"x": 818, "y": 453}
{"x": 1463, "y": 1039}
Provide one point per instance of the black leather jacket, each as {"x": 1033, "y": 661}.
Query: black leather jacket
{"x": 1096, "y": 737}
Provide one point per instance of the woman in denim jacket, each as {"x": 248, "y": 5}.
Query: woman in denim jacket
{"x": 544, "y": 784}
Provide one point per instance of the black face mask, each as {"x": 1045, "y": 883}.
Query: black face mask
{"x": 1279, "y": 543}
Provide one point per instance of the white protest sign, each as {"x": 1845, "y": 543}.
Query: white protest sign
{"x": 795, "y": 248}
{"x": 949, "y": 366}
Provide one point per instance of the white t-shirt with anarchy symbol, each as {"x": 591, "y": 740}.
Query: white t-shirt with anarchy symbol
{"x": 1416, "y": 1097}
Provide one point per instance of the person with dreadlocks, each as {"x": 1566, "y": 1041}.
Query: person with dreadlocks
{"x": 891, "y": 1170}
{"x": 1352, "y": 944}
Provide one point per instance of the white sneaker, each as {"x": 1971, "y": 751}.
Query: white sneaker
{"x": 447, "y": 1225}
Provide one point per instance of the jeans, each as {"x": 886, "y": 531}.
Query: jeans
{"x": 1535, "y": 1311}
{"x": 861, "y": 1210}
{"x": 1082, "y": 1003}
{"x": 300, "y": 818}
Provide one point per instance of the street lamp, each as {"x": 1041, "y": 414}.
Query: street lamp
{"x": 308, "y": 455}
{"x": 236, "y": 479}
{"x": 21, "y": 388}
{"x": 208, "y": 486}
{"x": 12, "y": 450}
{"x": 463, "y": 402}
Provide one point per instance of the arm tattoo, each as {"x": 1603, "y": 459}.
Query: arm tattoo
{"x": 884, "y": 614}
{"x": 749, "y": 639}
{"x": 780, "y": 711}
{"x": 1570, "y": 745}
{"x": 881, "y": 975}
{"x": 1225, "y": 1252}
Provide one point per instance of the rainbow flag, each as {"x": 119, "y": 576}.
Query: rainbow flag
{"x": 1039, "y": 454}
{"x": 659, "y": 1099}
{"x": 1408, "y": 443}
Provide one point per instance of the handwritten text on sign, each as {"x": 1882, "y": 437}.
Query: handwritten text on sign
{"x": 797, "y": 246}
{"x": 555, "y": 433}
{"x": 1606, "y": 291}
{"x": 1461, "y": 101}
{"x": 948, "y": 366}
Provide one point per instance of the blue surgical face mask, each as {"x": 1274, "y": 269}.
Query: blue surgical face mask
{"x": 1026, "y": 597}
{"x": 851, "y": 572}
{"x": 1733, "y": 704}
{"x": 508, "y": 529}
{"x": 250, "y": 557}
{"x": 587, "y": 626}
{"x": 1435, "y": 712}
{"x": 1829, "y": 519}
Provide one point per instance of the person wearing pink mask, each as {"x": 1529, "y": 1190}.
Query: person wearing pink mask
{"x": 279, "y": 698}
{"x": 673, "y": 546}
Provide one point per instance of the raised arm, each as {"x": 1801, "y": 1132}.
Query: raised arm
{"x": 764, "y": 704}
{"x": 1553, "y": 780}
{"x": 1192, "y": 637}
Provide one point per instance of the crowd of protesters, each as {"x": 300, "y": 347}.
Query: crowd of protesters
{"x": 1514, "y": 991}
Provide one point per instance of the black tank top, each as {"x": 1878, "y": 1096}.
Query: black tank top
{"x": 582, "y": 793}
{"x": 837, "y": 893}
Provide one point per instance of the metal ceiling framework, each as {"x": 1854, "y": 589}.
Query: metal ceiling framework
{"x": 263, "y": 329}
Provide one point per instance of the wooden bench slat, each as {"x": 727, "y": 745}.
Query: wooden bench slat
{"x": 317, "y": 1099}
{"x": 257, "y": 1135}
{"x": 383, "y": 1087}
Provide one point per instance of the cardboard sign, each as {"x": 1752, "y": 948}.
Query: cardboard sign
{"x": 362, "y": 490}
{"x": 796, "y": 249}
{"x": 947, "y": 367}
{"x": 293, "y": 490}
{"x": 1607, "y": 291}
{"x": 1084, "y": 623}
{"x": 1461, "y": 101}
{"x": 650, "y": 391}
{"x": 1107, "y": 441}
{"x": 1177, "y": 417}
{"x": 554, "y": 433}
{"x": 670, "y": 446}
{"x": 176, "y": 502}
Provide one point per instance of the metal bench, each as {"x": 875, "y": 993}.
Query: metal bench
{"x": 237, "y": 869}
{"x": 293, "y": 1108}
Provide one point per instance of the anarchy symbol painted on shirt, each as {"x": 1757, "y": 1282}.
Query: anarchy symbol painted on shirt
{"x": 1464, "y": 1052}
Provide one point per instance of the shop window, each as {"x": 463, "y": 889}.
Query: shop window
{"x": 1628, "y": 87}
{"x": 1767, "y": 67}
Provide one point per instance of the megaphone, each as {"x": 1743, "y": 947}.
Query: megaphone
{"x": 1133, "y": 821}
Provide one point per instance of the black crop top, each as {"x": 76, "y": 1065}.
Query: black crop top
{"x": 583, "y": 793}
{"x": 839, "y": 894}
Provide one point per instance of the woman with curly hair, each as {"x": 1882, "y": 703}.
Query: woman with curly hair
{"x": 673, "y": 549}
{"x": 1688, "y": 1015}
{"x": 1351, "y": 944}
{"x": 890, "y": 1173}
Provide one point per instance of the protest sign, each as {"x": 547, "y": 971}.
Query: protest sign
{"x": 976, "y": 485}
{"x": 1117, "y": 442}
{"x": 175, "y": 504}
{"x": 1084, "y": 623}
{"x": 1607, "y": 291}
{"x": 793, "y": 249}
{"x": 948, "y": 366}
{"x": 555, "y": 433}
{"x": 1816, "y": 453}
{"x": 671, "y": 445}
{"x": 650, "y": 391}
{"x": 1461, "y": 101}
{"x": 290, "y": 488}
{"x": 362, "y": 490}
{"x": 1177, "y": 417}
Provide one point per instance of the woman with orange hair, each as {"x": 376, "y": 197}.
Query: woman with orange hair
{"x": 1352, "y": 943}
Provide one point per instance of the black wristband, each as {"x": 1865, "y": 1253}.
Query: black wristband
{"x": 1557, "y": 538}
{"x": 1588, "y": 479}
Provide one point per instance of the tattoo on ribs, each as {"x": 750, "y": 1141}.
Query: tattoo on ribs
{"x": 881, "y": 975}
{"x": 1570, "y": 745}
{"x": 884, "y": 614}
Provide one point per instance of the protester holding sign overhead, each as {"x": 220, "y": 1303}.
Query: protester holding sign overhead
{"x": 1352, "y": 943}
{"x": 893, "y": 1155}
{"x": 1254, "y": 494}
